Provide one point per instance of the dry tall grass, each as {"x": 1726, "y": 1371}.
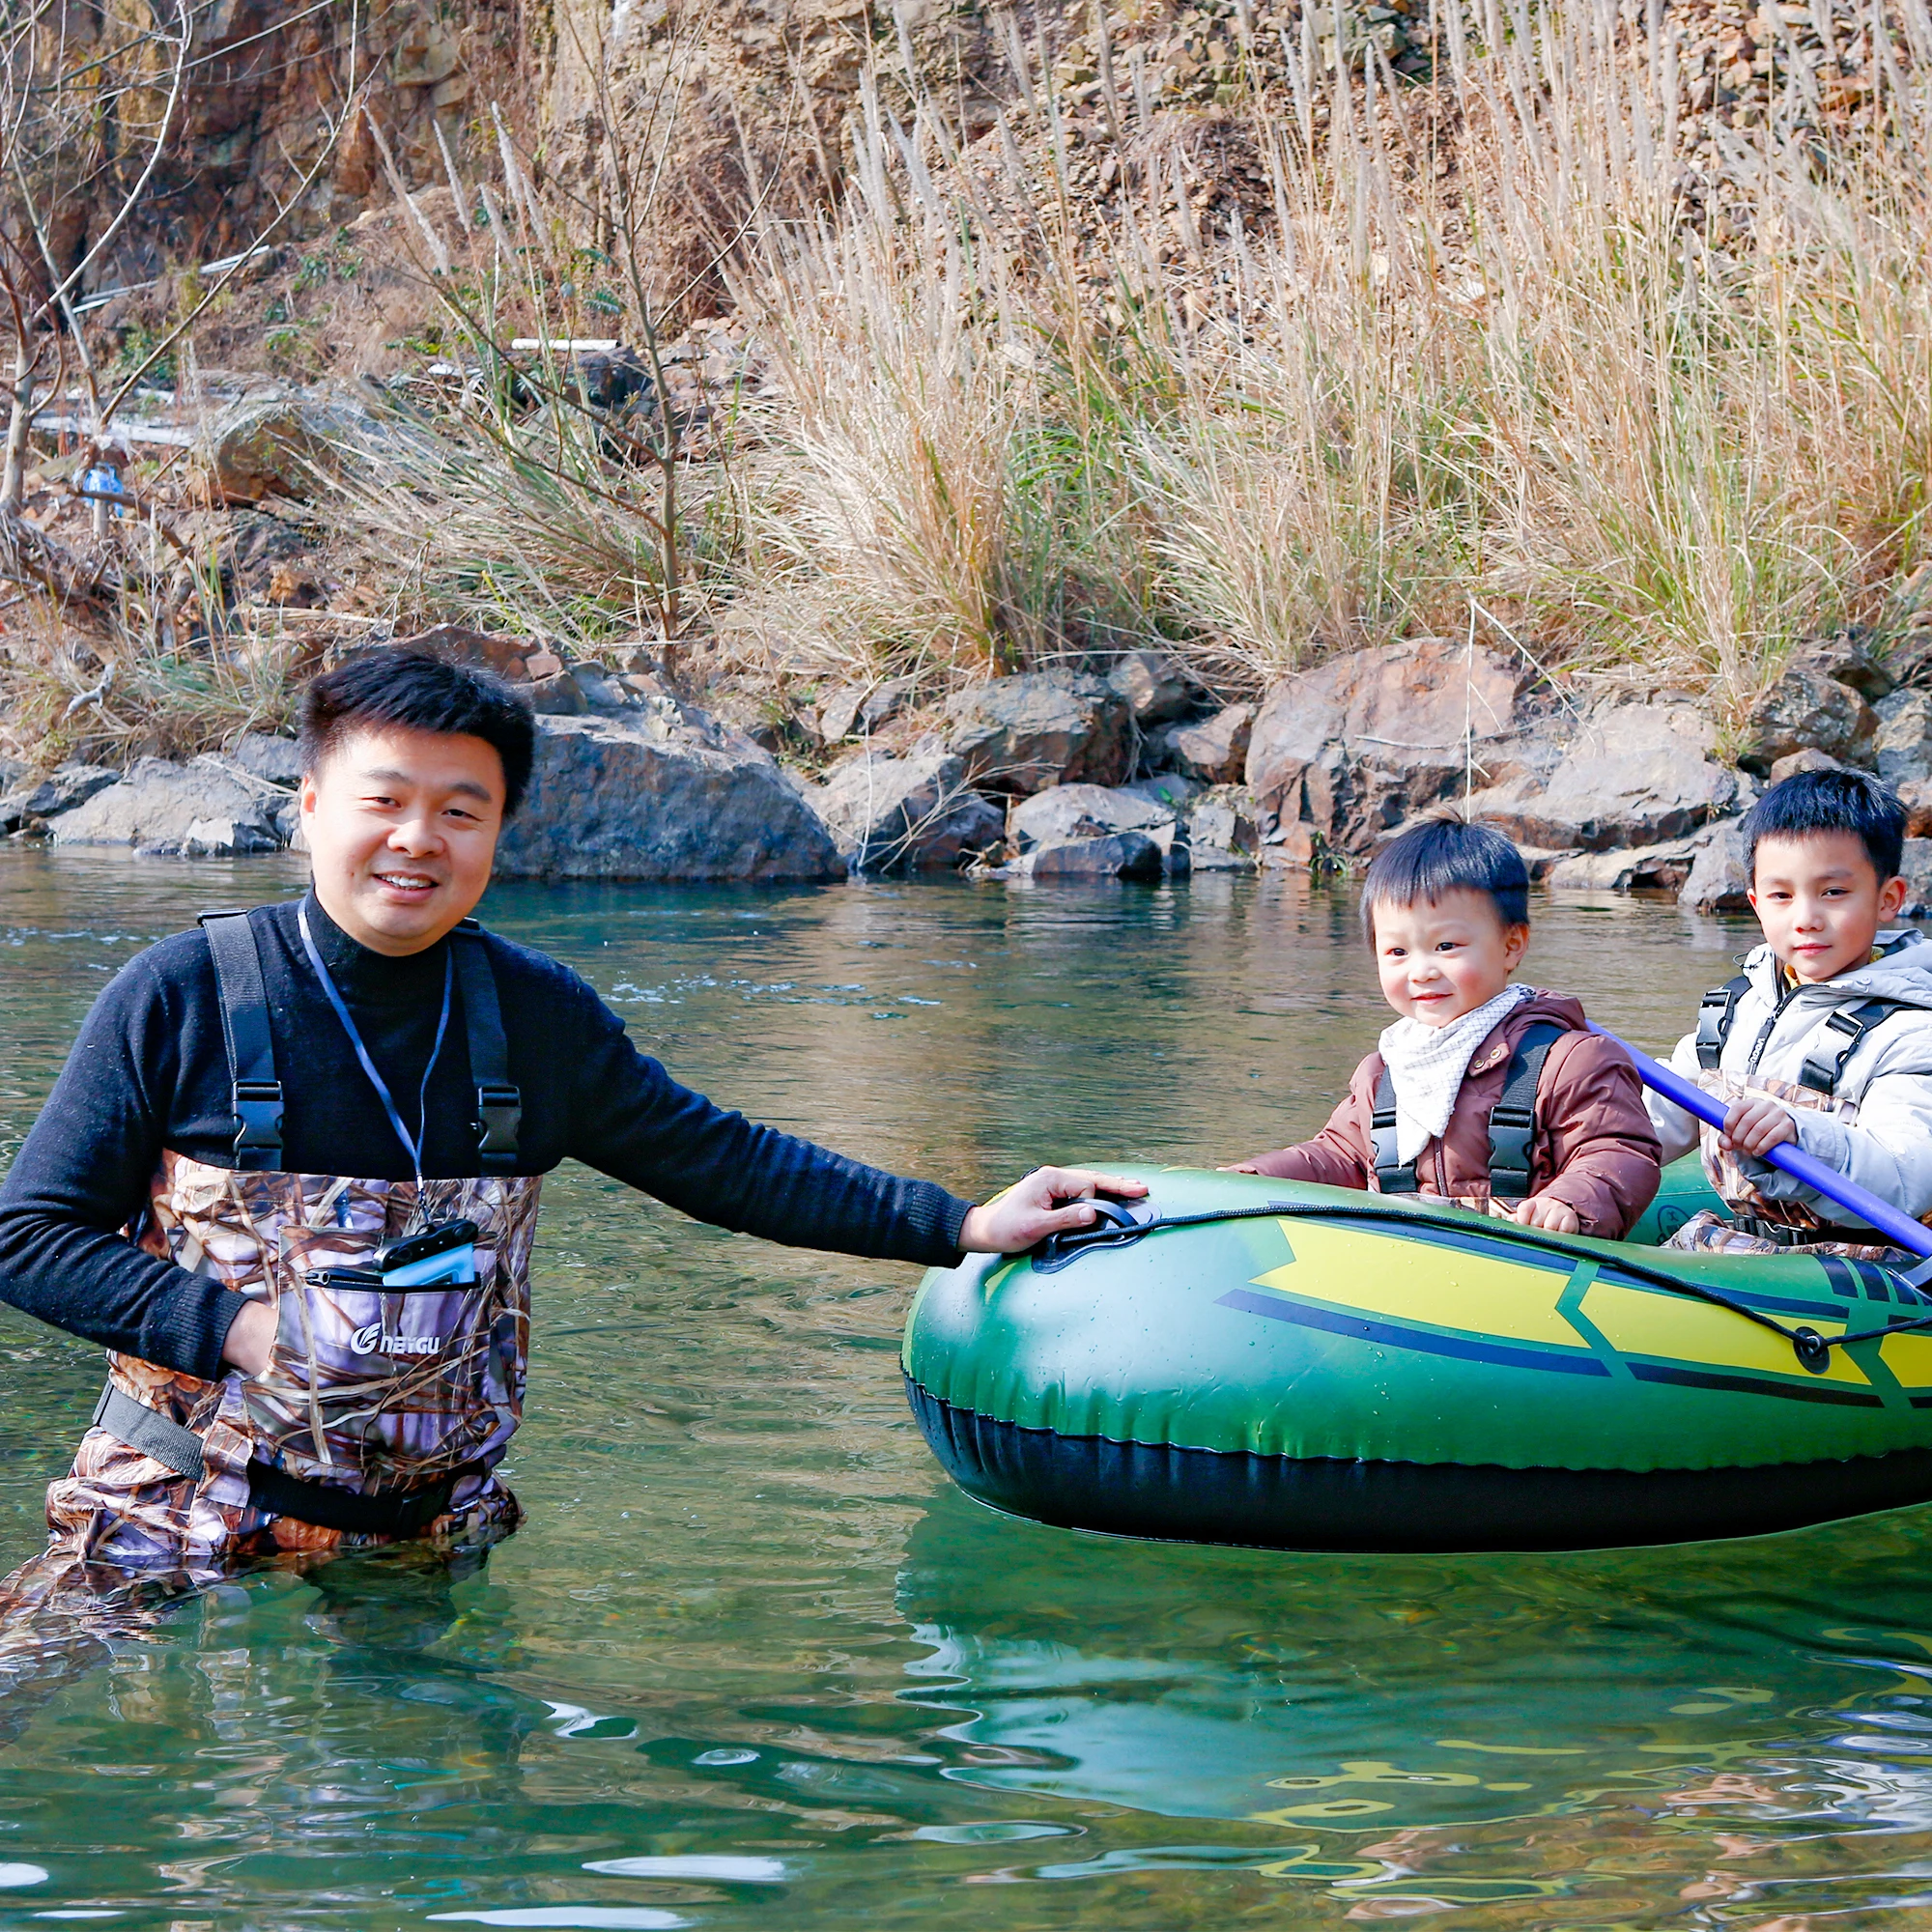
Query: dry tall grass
{"x": 1537, "y": 386}
{"x": 1485, "y": 357}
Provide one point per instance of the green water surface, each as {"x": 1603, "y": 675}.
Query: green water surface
{"x": 753, "y": 1663}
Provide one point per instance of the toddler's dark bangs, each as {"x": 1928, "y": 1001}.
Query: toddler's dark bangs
{"x": 1425, "y": 864}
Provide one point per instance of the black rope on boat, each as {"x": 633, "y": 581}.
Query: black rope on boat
{"x": 1118, "y": 1229}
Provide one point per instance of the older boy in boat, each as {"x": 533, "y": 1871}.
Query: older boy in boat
{"x": 1824, "y": 1038}
{"x": 1482, "y": 1092}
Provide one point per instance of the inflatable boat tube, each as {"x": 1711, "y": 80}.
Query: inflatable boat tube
{"x": 1300, "y": 1367}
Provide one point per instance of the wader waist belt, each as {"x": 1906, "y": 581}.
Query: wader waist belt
{"x": 327, "y": 1506}
{"x": 1788, "y": 1236}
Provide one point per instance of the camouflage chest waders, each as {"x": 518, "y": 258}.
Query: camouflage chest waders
{"x": 385, "y": 1411}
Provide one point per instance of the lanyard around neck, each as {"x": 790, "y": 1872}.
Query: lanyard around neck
{"x": 413, "y": 1146}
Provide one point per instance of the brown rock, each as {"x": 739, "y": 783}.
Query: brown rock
{"x": 1364, "y": 741}
{"x": 1917, "y": 795}
{"x": 510, "y": 658}
{"x": 1121, "y": 855}
{"x": 1718, "y": 880}
{"x": 1215, "y": 750}
{"x": 1634, "y": 775}
{"x": 1662, "y": 867}
{"x": 1018, "y": 735}
{"x": 1804, "y": 709}
{"x": 1904, "y": 744}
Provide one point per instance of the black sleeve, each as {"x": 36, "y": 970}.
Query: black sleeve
{"x": 84, "y": 1174}
{"x": 634, "y": 1122}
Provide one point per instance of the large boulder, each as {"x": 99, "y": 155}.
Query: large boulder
{"x": 1021, "y": 734}
{"x": 1904, "y": 743}
{"x": 1805, "y": 708}
{"x": 1063, "y": 814}
{"x": 275, "y": 761}
{"x": 1060, "y": 812}
{"x": 1718, "y": 880}
{"x": 661, "y": 792}
{"x": 891, "y": 814}
{"x": 209, "y": 808}
{"x": 62, "y": 790}
{"x": 1364, "y": 741}
{"x": 1634, "y": 775}
{"x": 1661, "y": 867}
{"x": 1121, "y": 855}
{"x": 1915, "y": 865}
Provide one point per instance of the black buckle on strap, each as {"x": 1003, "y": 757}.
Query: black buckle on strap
{"x": 257, "y": 1115}
{"x": 499, "y": 1116}
{"x": 1512, "y": 1130}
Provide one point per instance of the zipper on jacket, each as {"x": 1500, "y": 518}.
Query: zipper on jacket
{"x": 1785, "y": 995}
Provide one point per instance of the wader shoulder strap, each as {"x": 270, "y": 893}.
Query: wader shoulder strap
{"x": 1512, "y": 1119}
{"x": 1821, "y": 1067}
{"x": 500, "y": 1105}
{"x": 1715, "y": 1011}
{"x": 1391, "y": 1176}
{"x": 255, "y": 1093}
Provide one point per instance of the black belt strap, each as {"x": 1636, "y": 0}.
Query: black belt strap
{"x": 500, "y": 1105}
{"x": 390, "y": 1512}
{"x": 255, "y": 1094}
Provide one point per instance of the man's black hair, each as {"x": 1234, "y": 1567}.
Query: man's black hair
{"x": 1839, "y": 801}
{"x": 396, "y": 687}
{"x": 1424, "y": 865}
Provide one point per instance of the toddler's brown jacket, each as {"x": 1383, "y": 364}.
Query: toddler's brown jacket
{"x": 1594, "y": 1148}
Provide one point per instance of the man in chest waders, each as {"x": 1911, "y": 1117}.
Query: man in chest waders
{"x": 289, "y": 1175}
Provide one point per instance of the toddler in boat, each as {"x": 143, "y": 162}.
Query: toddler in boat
{"x": 1824, "y": 1038}
{"x": 1482, "y": 1092}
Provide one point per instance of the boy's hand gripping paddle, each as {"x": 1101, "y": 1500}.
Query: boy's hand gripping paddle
{"x": 1897, "y": 1226}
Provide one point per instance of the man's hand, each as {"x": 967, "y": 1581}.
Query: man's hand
{"x": 1030, "y": 1210}
{"x": 1755, "y": 1125}
{"x": 1555, "y": 1217}
{"x": 251, "y": 1339}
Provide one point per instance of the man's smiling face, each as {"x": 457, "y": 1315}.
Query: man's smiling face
{"x": 402, "y": 829}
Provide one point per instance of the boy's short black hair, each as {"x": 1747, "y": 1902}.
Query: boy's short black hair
{"x": 394, "y": 686}
{"x": 1424, "y": 865}
{"x": 1840, "y": 801}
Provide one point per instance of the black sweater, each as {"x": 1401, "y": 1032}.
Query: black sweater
{"x": 150, "y": 1072}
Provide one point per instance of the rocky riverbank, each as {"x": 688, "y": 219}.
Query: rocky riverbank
{"x": 1079, "y": 775}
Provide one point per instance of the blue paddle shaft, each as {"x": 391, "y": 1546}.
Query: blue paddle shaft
{"x": 1897, "y": 1227}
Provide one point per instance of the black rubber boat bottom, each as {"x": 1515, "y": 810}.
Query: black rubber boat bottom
{"x": 1284, "y": 1502}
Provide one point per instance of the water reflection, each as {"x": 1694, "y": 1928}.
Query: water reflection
{"x": 752, "y": 1663}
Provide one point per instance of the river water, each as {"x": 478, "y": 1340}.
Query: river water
{"x": 752, "y": 1662}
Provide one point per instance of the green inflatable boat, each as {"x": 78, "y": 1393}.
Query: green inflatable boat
{"x": 1265, "y": 1362}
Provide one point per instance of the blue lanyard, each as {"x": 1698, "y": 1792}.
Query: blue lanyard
{"x": 413, "y": 1146}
